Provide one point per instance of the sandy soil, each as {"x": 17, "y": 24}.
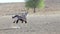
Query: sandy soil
{"x": 37, "y": 24}
{"x": 46, "y": 21}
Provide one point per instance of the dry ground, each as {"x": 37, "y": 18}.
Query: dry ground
{"x": 46, "y": 21}
{"x": 37, "y": 24}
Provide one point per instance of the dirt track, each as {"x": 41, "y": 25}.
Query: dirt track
{"x": 45, "y": 22}
{"x": 42, "y": 24}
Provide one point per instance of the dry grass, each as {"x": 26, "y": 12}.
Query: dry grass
{"x": 52, "y": 7}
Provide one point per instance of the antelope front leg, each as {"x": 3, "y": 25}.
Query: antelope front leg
{"x": 22, "y": 21}
{"x": 25, "y": 21}
{"x": 17, "y": 21}
{"x": 14, "y": 22}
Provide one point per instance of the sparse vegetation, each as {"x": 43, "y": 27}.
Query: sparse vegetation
{"x": 34, "y": 4}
